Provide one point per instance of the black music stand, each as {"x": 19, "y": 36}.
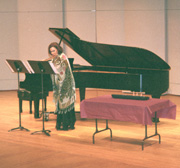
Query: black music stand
{"x": 42, "y": 67}
{"x": 19, "y": 67}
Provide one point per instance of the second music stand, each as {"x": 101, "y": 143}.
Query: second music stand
{"x": 42, "y": 67}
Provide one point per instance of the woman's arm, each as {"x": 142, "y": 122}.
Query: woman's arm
{"x": 47, "y": 59}
{"x": 50, "y": 58}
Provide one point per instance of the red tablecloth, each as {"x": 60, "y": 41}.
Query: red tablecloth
{"x": 138, "y": 111}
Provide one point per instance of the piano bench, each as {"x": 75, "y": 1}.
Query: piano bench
{"x": 31, "y": 96}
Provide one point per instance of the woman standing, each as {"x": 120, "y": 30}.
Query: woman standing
{"x": 63, "y": 88}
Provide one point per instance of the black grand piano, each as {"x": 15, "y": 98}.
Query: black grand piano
{"x": 112, "y": 67}
{"x": 116, "y": 67}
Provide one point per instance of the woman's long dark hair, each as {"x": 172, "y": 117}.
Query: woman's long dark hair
{"x": 55, "y": 45}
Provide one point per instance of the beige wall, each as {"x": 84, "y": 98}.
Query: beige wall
{"x": 174, "y": 45}
{"x": 24, "y": 33}
{"x": 9, "y": 42}
{"x": 34, "y": 19}
{"x": 138, "y": 23}
{"x": 80, "y": 18}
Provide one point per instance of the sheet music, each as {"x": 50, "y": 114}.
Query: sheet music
{"x": 53, "y": 67}
{"x": 26, "y": 67}
{"x": 37, "y": 66}
{"x": 13, "y": 64}
{"x": 29, "y": 66}
{"x": 9, "y": 66}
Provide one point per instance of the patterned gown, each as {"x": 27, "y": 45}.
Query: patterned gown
{"x": 64, "y": 93}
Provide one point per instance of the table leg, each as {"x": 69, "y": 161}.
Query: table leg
{"x": 156, "y": 133}
{"x": 97, "y": 131}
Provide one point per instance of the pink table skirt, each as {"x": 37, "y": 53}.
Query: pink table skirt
{"x": 138, "y": 111}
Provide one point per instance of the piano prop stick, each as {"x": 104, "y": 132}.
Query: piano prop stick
{"x": 42, "y": 67}
{"x": 18, "y": 67}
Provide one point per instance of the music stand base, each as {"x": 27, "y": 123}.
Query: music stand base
{"x": 21, "y": 128}
{"x": 46, "y": 132}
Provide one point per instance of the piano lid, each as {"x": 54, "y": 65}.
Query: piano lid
{"x": 98, "y": 54}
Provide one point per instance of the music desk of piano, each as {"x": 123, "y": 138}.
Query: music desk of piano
{"x": 130, "y": 110}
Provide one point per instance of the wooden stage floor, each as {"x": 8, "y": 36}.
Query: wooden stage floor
{"x": 74, "y": 148}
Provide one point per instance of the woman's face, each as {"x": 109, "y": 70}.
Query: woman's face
{"x": 53, "y": 51}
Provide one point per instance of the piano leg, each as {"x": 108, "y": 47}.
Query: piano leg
{"x": 36, "y": 107}
{"x": 158, "y": 97}
{"x": 82, "y": 93}
{"x": 30, "y": 106}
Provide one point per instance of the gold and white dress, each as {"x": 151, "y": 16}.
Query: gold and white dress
{"x": 64, "y": 94}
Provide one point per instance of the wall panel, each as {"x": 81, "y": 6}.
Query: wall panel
{"x": 145, "y": 29}
{"x": 39, "y": 5}
{"x": 8, "y": 6}
{"x": 80, "y": 19}
{"x": 173, "y": 45}
{"x": 79, "y": 5}
{"x": 144, "y": 5}
{"x": 113, "y": 5}
{"x": 9, "y": 42}
{"x": 110, "y": 27}
{"x": 34, "y": 36}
